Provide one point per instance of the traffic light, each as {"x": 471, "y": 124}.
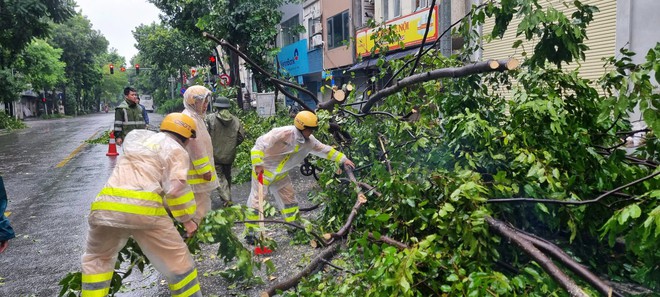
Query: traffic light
{"x": 112, "y": 69}
{"x": 214, "y": 65}
{"x": 122, "y": 69}
{"x": 137, "y": 69}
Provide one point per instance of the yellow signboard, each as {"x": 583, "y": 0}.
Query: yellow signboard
{"x": 410, "y": 29}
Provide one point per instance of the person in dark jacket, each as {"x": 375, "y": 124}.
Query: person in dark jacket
{"x": 145, "y": 115}
{"x": 227, "y": 133}
{"x": 128, "y": 115}
{"x": 6, "y": 232}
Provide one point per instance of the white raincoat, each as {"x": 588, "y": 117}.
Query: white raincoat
{"x": 200, "y": 150}
{"x": 278, "y": 151}
{"x": 148, "y": 178}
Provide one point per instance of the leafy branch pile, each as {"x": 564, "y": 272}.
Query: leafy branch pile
{"x": 10, "y": 123}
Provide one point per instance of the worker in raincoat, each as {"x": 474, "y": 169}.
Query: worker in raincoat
{"x": 202, "y": 175}
{"x": 227, "y": 133}
{"x": 150, "y": 176}
{"x": 277, "y": 152}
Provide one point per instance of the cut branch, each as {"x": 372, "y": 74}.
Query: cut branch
{"x": 480, "y": 67}
{"x": 562, "y": 279}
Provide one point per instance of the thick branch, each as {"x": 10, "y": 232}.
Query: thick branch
{"x": 295, "y": 86}
{"x": 562, "y": 279}
{"x": 567, "y": 261}
{"x": 327, "y": 105}
{"x": 293, "y": 97}
{"x": 479, "y": 67}
{"x": 574, "y": 202}
{"x": 327, "y": 253}
{"x": 349, "y": 221}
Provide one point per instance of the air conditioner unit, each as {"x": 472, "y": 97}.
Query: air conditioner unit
{"x": 317, "y": 28}
{"x": 317, "y": 41}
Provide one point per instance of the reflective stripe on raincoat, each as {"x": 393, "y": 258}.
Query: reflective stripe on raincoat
{"x": 200, "y": 150}
{"x": 148, "y": 178}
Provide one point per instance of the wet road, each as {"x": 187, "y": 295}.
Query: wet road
{"x": 51, "y": 176}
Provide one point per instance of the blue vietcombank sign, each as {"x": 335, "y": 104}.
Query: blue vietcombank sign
{"x": 293, "y": 58}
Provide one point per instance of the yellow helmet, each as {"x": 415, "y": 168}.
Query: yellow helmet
{"x": 180, "y": 124}
{"x": 306, "y": 119}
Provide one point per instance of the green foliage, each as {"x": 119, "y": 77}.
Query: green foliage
{"x": 104, "y": 138}
{"x": 217, "y": 229}
{"x": 71, "y": 285}
{"x": 21, "y": 22}
{"x": 560, "y": 38}
{"x": 555, "y": 139}
{"x": 170, "y": 105}
{"x": 10, "y": 123}
{"x": 40, "y": 65}
{"x": 167, "y": 51}
{"x": 234, "y": 21}
{"x": 83, "y": 50}
{"x": 130, "y": 257}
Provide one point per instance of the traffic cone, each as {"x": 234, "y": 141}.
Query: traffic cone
{"x": 112, "y": 147}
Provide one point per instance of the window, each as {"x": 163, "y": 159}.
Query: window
{"x": 338, "y": 30}
{"x": 386, "y": 10}
{"x": 397, "y": 8}
{"x": 289, "y": 32}
{"x": 421, "y": 4}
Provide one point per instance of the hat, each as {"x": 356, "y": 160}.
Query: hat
{"x": 221, "y": 102}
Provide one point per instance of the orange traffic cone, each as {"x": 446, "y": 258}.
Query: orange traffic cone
{"x": 112, "y": 147}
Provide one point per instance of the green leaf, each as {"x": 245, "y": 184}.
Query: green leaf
{"x": 635, "y": 211}
{"x": 383, "y": 217}
{"x": 517, "y": 43}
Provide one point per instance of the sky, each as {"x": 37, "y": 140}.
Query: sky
{"x": 117, "y": 18}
